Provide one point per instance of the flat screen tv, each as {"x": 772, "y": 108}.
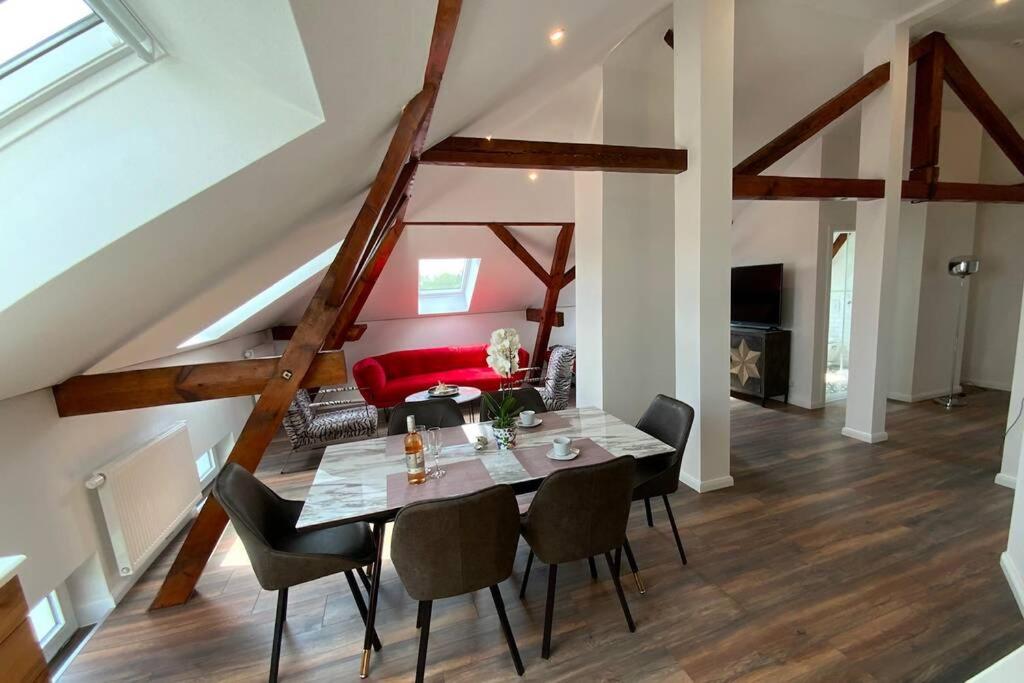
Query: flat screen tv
{"x": 757, "y": 295}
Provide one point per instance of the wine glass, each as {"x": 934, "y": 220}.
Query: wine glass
{"x": 434, "y": 443}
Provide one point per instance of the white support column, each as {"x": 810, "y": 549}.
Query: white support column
{"x": 703, "y": 73}
{"x": 881, "y": 156}
{"x": 1013, "y": 446}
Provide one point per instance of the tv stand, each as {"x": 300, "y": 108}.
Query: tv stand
{"x": 759, "y": 361}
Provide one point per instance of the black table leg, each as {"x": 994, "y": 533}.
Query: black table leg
{"x": 378, "y": 537}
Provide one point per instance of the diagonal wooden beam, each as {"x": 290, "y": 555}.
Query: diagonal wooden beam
{"x": 838, "y": 243}
{"x": 110, "y": 391}
{"x": 294, "y": 364}
{"x": 285, "y": 332}
{"x": 991, "y": 118}
{"x": 924, "y": 148}
{"x": 557, "y": 275}
{"x": 812, "y": 124}
{"x": 561, "y": 156}
{"x": 570, "y": 275}
{"x": 509, "y": 240}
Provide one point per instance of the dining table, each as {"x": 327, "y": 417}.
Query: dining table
{"x": 366, "y": 480}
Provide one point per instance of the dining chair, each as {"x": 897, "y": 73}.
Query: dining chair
{"x": 437, "y": 412}
{"x": 282, "y": 556}
{"x": 527, "y": 398}
{"x": 448, "y": 547}
{"x": 577, "y": 514}
{"x": 668, "y": 420}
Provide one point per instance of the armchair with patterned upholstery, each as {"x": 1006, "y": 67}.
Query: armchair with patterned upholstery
{"x": 556, "y": 385}
{"x": 310, "y": 424}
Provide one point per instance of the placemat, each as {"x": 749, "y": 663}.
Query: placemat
{"x": 450, "y": 436}
{"x": 535, "y": 461}
{"x": 461, "y": 477}
{"x": 548, "y": 421}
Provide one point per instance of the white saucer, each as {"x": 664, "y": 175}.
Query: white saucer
{"x": 573, "y": 452}
{"x": 536, "y": 423}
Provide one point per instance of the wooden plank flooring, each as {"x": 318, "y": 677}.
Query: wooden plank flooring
{"x": 830, "y": 560}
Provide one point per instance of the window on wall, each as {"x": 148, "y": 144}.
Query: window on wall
{"x": 46, "y": 618}
{"x": 206, "y": 464}
{"x": 446, "y": 284}
{"x": 48, "y": 46}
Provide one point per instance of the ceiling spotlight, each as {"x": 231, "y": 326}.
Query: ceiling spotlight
{"x": 488, "y": 138}
{"x": 557, "y": 36}
{"x": 533, "y": 175}
{"x": 1002, "y": 2}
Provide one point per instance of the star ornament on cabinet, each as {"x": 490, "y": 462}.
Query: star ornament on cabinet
{"x": 743, "y": 363}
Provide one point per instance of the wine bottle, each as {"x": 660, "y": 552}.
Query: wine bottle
{"x": 414, "y": 466}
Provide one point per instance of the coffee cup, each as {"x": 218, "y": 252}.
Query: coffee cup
{"x": 527, "y": 417}
{"x": 560, "y": 445}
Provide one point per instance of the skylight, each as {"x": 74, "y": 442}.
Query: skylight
{"x": 446, "y": 285}
{"x": 46, "y": 46}
{"x": 263, "y": 299}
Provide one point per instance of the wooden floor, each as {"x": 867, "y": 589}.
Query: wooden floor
{"x": 830, "y": 560}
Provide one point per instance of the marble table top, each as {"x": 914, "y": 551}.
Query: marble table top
{"x": 352, "y": 480}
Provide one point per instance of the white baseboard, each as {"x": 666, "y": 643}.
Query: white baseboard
{"x": 1014, "y": 578}
{"x": 866, "y": 437}
{"x": 997, "y": 384}
{"x": 1006, "y": 480}
{"x": 706, "y": 485}
{"x": 920, "y": 396}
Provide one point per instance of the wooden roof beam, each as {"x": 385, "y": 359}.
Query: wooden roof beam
{"x": 561, "y": 156}
{"x": 516, "y": 247}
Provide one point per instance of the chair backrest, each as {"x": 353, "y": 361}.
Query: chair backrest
{"x": 259, "y": 515}
{"x": 558, "y": 378}
{"x": 669, "y": 420}
{"x": 453, "y": 546}
{"x": 527, "y": 398}
{"x": 435, "y": 412}
{"x": 581, "y": 511}
{"x": 298, "y": 418}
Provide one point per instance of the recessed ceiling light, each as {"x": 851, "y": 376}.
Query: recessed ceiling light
{"x": 1002, "y": 2}
{"x": 533, "y": 175}
{"x": 557, "y": 36}
{"x": 488, "y": 138}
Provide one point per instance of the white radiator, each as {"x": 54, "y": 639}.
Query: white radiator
{"x": 146, "y": 495}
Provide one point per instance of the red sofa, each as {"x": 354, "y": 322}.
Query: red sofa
{"x": 386, "y": 380}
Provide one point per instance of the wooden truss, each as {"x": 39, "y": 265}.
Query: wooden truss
{"x": 937, "y": 63}
{"x": 313, "y": 356}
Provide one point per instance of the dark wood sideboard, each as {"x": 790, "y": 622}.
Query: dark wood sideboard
{"x": 759, "y": 362}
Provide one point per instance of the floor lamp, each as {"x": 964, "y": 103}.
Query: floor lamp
{"x": 961, "y": 267}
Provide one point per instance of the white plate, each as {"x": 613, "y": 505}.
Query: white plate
{"x": 573, "y": 452}
{"x": 536, "y": 423}
{"x": 452, "y": 391}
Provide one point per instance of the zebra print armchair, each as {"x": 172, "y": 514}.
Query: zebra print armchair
{"x": 557, "y": 382}
{"x": 309, "y": 424}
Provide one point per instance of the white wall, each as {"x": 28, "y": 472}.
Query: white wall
{"x": 48, "y": 515}
{"x": 637, "y": 227}
{"x": 996, "y": 289}
{"x": 788, "y": 232}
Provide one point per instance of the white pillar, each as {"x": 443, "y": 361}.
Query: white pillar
{"x": 589, "y": 239}
{"x": 874, "y": 279}
{"x": 1014, "y": 444}
{"x": 703, "y": 69}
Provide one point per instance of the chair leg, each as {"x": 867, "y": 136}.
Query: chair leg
{"x": 637, "y": 579}
{"x": 419, "y": 615}
{"x": 647, "y": 508}
{"x": 282, "y": 614}
{"x": 357, "y": 595}
{"x": 378, "y": 537}
{"x": 365, "y": 579}
{"x": 499, "y": 605}
{"x": 549, "y": 611}
{"x": 421, "y": 660}
{"x": 675, "y": 531}
{"x": 593, "y": 567}
{"x": 526, "y": 575}
{"x": 613, "y": 567}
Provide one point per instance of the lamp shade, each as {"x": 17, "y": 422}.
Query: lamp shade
{"x": 962, "y": 266}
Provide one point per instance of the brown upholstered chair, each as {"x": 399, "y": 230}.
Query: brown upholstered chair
{"x": 283, "y": 556}
{"x": 579, "y": 513}
{"x": 668, "y": 420}
{"x": 527, "y": 398}
{"x": 442, "y": 548}
{"x": 436, "y": 412}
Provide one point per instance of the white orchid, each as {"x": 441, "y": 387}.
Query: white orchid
{"x": 503, "y": 352}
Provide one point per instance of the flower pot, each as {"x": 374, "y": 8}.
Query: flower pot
{"x": 505, "y": 437}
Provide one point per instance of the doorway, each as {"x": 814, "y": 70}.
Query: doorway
{"x": 840, "y": 308}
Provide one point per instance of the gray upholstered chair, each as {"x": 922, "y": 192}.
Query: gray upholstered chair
{"x": 527, "y": 398}
{"x": 310, "y": 424}
{"x": 282, "y": 556}
{"x": 557, "y": 387}
{"x": 668, "y": 420}
{"x": 579, "y": 513}
{"x": 436, "y": 412}
{"x": 448, "y": 547}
